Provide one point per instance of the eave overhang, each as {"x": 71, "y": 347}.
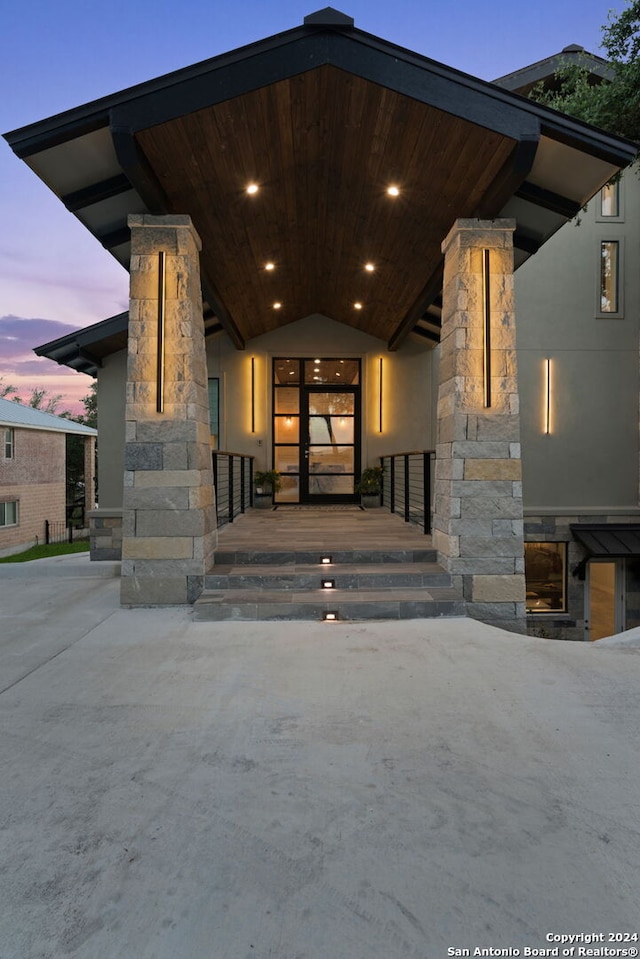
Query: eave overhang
{"x": 323, "y": 115}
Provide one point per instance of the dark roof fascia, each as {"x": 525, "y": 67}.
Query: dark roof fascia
{"x": 354, "y": 52}
{"x": 69, "y": 124}
{"x": 77, "y": 343}
{"x": 542, "y": 69}
{"x": 261, "y": 63}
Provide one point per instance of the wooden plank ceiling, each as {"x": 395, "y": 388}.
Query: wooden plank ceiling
{"x": 323, "y": 147}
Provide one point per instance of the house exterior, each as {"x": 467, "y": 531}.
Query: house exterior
{"x": 33, "y": 473}
{"x": 578, "y": 307}
{"x": 321, "y": 231}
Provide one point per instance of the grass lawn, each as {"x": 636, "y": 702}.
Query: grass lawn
{"x": 42, "y": 552}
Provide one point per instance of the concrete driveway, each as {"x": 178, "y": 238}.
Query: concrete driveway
{"x": 180, "y": 790}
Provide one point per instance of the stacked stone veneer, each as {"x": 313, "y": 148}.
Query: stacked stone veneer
{"x": 555, "y": 527}
{"x": 168, "y": 524}
{"x": 478, "y": 517}
{"x": 105, "y": 534}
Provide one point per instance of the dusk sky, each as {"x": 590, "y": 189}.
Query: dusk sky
{"x": 54, "y": 275}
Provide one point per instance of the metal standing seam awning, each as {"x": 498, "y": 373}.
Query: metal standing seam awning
{"x": 323, "y": 118}
{"x": 610, "y": 540}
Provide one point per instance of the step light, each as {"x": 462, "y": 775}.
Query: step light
{"x": 326, "y": 560}
{"x": 330, "y": 616}
{"x": 328, "y": 584}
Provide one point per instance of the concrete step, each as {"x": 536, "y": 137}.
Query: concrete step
{"x": 369, "y": 584}
{"x": 224, "y": 557}
{"x": 385, "y": 603}
{"x": 344, "y": 576}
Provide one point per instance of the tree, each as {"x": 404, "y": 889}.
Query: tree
{"x": 612, "y": 104}
{"x": 39, "y": 399}
{"x": 46, "y": 401}
{"x": 90, "y": 403}
{"x": 6, "y": 389}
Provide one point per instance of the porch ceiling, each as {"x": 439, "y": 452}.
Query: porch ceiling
{"x": 323, "y": 147}
{"x": 323, "y": 118}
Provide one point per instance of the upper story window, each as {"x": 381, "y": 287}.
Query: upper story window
{"x": 9, "y": 443}
{"x": 610, "y": 299}
{"x": 610, "y": 203}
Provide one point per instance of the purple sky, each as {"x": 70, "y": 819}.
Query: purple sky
{"x": 53, "y": 275}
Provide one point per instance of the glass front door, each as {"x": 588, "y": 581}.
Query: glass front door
{"x": 316, "y": 429}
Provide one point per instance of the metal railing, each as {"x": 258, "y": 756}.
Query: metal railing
{"x": 407, "y": 484}
{"x": 58, "y": 532}
{"x": 233, "y": 484}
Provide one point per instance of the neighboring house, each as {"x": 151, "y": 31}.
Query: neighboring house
{"x": 33, "y": 473}
{"x": 353, "y": 214}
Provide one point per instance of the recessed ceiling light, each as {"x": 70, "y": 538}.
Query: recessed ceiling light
{"x": 369, "y": 267}
{"x": 316, "y": 361}
{"x": 393, "y": 190}
{"x": 269, "y": 266}
{"x": 292, "y": 372}
{"x": 277, "y": 306}
{"x": 252, "y": 188}
{"x": 357, "y": 306}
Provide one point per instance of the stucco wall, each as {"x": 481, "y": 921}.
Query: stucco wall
{"x": 112, "y": 381}
{"x": 407, "y": 377}
{"x": 590, "y": 458}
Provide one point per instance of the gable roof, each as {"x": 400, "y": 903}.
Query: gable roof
{"x": 26, "y": 417}
{"x": 323, "y": 117}
{"x": 543, "y": 71}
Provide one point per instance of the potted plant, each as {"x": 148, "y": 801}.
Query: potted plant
{"x": 266, "y": 482}
{"x": 370, "y": 486}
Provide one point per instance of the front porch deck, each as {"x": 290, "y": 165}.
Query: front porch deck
{"x": 301, "y": 530}
{"x": 268, "y": 565}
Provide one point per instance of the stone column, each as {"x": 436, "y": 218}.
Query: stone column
{"x": 168, "y": 513}
{"x": 478, "y": 521}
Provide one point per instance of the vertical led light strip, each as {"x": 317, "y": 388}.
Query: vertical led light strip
{"x": 253, "y": 394}
{"x": 486, "y": 319}
{"x": 380, "y": 398}
{"x": 547, "y": 397}
{"x": 162, "y": 292}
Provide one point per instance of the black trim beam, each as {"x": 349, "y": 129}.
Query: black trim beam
{"x": 214, "y": 328}
{"x": 548, "y": 200}
{"x": 510, "y": 177}
{"x": 97, "y": 192}
{"x": 528, "y": 244}
{"x": 211, "y": 295}
{"x": 139, "y": 172}
{"x": 419, "y": 308}
{"x": 89, "y": 358}
{"x": 427, "y": 334}
{"x": 114, "y": 237}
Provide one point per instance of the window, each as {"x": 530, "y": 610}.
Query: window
{"x": 610, "y": 203}
{"x": 610, "y": 300}
{"x": 610, "y": 200}
{"x": 9, "y": 444}
{"x": 545, "y": 569}
{"x": 9, "y": 513}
